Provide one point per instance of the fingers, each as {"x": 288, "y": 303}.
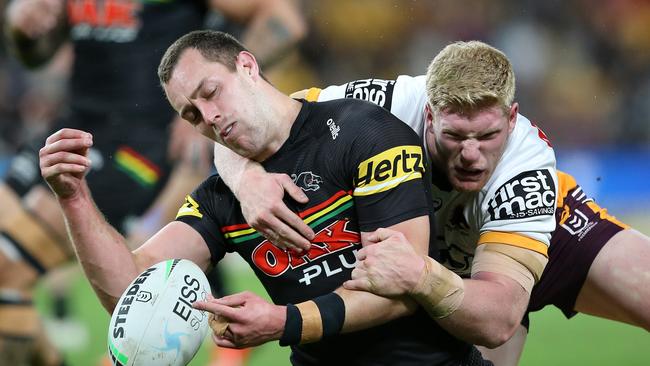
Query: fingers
{"x": 284, "y": 236}
{"x": 362, "y": 284}
{"x": 224, "y": 341}
{"x": 229, "y": 314}
{"x": 61, "y": 157}
{"x": 64, "y": 152}
{"x": 67, "y": 133}
{"x": 290, "y": 187}
{"x": 361, "y": 255}
{"x": 234, "y": 300}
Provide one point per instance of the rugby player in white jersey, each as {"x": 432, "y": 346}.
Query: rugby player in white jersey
{"x": 496, "y": 189}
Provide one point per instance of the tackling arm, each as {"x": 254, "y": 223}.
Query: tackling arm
{"x": 244, "y": 319}
{"x": 364, "y": 309}
{"x": 262, "y": 207}
{"x": 497, "y": 295}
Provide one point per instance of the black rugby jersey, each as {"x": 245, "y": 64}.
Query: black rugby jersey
{"x": 118, "y": 45}
{"x": 358, "y": 177}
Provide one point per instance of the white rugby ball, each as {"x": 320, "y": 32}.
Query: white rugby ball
{"x": 154, "y": 322}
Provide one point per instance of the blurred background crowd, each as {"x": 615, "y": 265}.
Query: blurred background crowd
{"x": 583, "y": 67}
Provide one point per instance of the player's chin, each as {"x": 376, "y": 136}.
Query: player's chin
{"x": 467, "y": 185}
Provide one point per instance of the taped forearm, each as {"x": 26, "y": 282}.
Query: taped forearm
{"x": 440, "y": 291}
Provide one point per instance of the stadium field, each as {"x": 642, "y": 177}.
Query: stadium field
{"x": 584, "y": 340}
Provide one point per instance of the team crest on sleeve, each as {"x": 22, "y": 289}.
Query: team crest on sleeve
{"x": 529, "y": 194}
{"x": 389, "y": 169}
{"x": 377, "y": 91}
{"x": 189, "y": 208}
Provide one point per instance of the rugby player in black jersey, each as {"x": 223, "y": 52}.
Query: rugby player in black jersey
{"x": 357, "y": 178}
{"x": 590, "y": 269}
{"x": 115, "y": 94}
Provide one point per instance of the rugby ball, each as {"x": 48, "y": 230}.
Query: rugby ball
{"x": 153, "y": 322}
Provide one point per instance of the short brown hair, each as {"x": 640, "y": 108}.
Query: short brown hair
{"x": 467, "y": 76}
{"x": 213, "y": 45}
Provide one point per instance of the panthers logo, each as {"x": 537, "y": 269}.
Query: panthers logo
{"x": 307, "y": 181}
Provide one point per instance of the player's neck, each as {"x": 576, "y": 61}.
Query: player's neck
{"x": 283, "y": 112}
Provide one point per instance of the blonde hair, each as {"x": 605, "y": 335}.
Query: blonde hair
{"x": 468, "y": 76}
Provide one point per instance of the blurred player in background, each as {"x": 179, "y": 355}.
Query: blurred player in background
{"x": 138, "y": 172}
{"x": 590, "y": 268}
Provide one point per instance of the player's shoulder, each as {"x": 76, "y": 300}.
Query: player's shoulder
{"x": 354, "y": 116}
{"x": 211, "y": 186}
{"x": 527, "y": 147}
{"x": 525, "y": 180}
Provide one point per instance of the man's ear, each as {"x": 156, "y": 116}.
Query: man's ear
{"x": 428, "y": 120}
{"x": 512, "y": 117}
{"x": 247, "y": 62}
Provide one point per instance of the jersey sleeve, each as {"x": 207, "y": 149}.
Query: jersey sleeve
{"x": 518, "y": 207}
{"x": 405, "y": 97}
{"x": 387, "y": 168}
{"x": 198, "y": 211}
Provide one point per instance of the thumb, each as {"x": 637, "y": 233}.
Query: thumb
{"x": 356, "y": 285}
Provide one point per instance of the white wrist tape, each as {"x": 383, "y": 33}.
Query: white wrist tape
{"x": 439, "y": 291}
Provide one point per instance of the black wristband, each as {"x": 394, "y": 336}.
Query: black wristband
{"x": 292, "y": 327}
{"x": 332, "y": 311}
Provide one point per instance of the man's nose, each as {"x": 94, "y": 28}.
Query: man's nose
{"x": 209, "y": 113}
{"x": 469, "y": 152}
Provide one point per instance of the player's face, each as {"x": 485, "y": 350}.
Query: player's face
{"x": 220, "y": 103}
{"x": 468, "y": 147}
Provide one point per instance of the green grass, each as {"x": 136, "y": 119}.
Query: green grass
{"x": 553, "y": 340}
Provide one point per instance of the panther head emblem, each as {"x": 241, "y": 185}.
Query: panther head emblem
{"x": 307, "y": 181}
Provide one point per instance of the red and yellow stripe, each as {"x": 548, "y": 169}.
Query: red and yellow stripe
{"x": 312, "y": 216}
{"x": 137, "y": 166}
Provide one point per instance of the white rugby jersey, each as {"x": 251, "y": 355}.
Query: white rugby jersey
{"x": 516, "y": 206}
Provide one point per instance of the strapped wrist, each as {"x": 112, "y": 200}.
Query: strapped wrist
{"x": 440, "y": 291}
{"x": 313, "y": 320}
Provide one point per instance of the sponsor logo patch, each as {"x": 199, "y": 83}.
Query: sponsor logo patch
{"x": 332, "y": 250}
{"x": 189, "y": 208}
{"x": 389, "y": 169}
{"x": 529, "y": 194}
{"x": 377, "y": 91}
{"x": 334, "y": 129}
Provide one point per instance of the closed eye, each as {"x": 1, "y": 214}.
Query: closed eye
{"x": 453, "y": 136}
{"x": 489, "y": 136}
{"x": 190, "y": 115}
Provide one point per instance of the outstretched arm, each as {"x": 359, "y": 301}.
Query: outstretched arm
{"x": 247, "y": 320}
{"x": 102, "y": 252}
{"x": 484, "y": 310}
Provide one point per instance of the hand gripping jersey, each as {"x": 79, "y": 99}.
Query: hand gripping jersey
{"x": 515, "y": 207}
{"x": 361, "y": 169}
